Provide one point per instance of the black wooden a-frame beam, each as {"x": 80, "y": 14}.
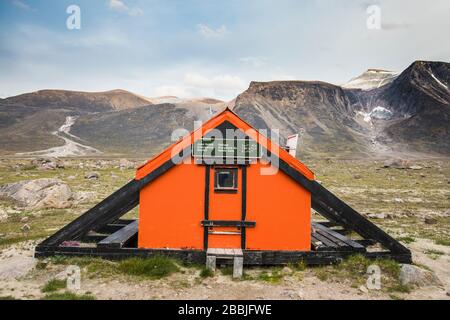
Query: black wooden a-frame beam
{"x": 323, "y": 201}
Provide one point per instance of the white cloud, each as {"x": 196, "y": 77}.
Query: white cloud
{"x": 194, "y": 85}
{"x": 209, "y": 33}
{"x": 120, "y": 6}
{"x": 21, "y": 5}
{"x": 256, "y": 62}
{"x": 221, "y": 82}
{"x": 177, "y": 91}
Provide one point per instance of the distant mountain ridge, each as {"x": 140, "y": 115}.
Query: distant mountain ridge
{"x": 379, "y": 113}
{"x": 334, "y": 119}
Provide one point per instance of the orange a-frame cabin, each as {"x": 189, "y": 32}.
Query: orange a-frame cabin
{"x": 252, "y": 210}
{"x": 210, "y": 194}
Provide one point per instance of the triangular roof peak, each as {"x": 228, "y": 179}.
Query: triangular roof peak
{"x": 226, "y": 115}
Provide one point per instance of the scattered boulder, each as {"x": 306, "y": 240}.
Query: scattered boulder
{"x": 357, "y": 176}
{"x": 415, "y": 168}
{"x": 38, "y": 194}
{"x": 363, "y": 289}
{"x": 126, "y": 164}
{"x": 396, "y": 163}
{"x": 415, "y": 276}
{"x": 92, "y": 175}
{"x": 84, "y": 197}
{"x": 429, "y": 220}
{"x": 24, "y": 220}
{"x": 377, "y": 215}
{"x": 3, "y": 215}
{"x": 25, "y": 228}
{"x": 286, "y": 271}
{"x": 48, "y": 163}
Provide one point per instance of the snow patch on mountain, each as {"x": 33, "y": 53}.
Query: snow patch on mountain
{"x": 438, "y": 81}
{"x": 378, "y": 113}
{"x": 371, "y": 79}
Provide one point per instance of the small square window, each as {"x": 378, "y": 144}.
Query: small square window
{"x": 225, "y": 179}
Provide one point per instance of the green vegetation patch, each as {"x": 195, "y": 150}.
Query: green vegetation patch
{"x": 154, "y": 268}
{"x": 54, "y": 285}
{"x": 274, "y": 276}
{"x": 68, "y": 296}
{"x": 206, "y": 273}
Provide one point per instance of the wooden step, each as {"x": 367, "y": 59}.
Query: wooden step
{"x": 224, "y": 253}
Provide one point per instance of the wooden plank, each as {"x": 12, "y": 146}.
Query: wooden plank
{"x": 335, "y": 240}
{"x": 339, "y": 236}
{"x": 121, "y": 237}
{"x": 316, "y": 244}
{"x": 326, "y": 242}
{"x": 224, "y": 252}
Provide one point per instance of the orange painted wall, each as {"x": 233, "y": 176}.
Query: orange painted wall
{"x": 281, "y": 209}
{"x": 172, "y": 207}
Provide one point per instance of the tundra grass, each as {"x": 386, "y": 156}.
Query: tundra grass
{"x": 67, "y": 296}
{"x": 54, "y": 285}
{"x": 154, "y": 268}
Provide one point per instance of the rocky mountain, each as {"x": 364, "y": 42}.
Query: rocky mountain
{"x": 69, "y": 123}
{"x": 27, "y": 121}
{"x": 385, "y": 115}
{"x": 379, "y": 113}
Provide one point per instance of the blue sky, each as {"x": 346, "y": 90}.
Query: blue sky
{"x": 214, "y": 48}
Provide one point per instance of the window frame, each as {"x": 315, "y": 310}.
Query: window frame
{"x": 235, "y": 173}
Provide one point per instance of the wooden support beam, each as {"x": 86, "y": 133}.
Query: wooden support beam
{"x": 121, "y": 237}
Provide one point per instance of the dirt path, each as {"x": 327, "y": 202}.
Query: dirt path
{"x": 70, "y": 147}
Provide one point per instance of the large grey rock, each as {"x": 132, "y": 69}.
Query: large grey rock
{"x": 396, "y": 163}
{"x": 48, "y": 163}
{"x": 415, "y": 276}
{"x": 38, "y": 194}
